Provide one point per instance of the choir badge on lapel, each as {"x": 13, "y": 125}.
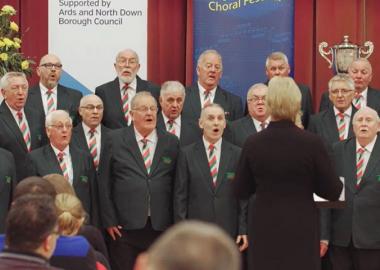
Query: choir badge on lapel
{"x": 84, "y": 178}
{"x": 230, "y": 175}
{"x": 8, "y": 179}
{"x": 167, "y": 160}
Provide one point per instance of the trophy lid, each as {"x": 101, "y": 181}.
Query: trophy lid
{"x": 346, "y": 44}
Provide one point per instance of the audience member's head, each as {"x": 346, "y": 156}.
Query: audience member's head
{"x": 209, "y": 69}
{"x": 256, "y": 97}
{"x": 191, "y": 245}
{"x": 144, "y": 112}
{"x": 366, "y": 125}
{"x": 60, "y": 184}
{"x": 34, "y": 185}
{"x": 341, "y": 91}
{"x": 360, "y": 70}
{"x": 277, "y": 64}
{"x": 127, "y": 65}
{"x": 49, "y": 70}
{"x": 14, "y": 88}
{"x": 283, "y": 99}
{"x": 172, "y": 98}
{"x": 59, "y": 128}
{"x": 212, "y": 122}
{"x": 91, "y": 110}
{"x": 31, "y": 225}
{"x": 71, "y": 214}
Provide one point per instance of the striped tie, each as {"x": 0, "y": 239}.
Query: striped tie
{"x": 62, "y": 164}
{"x": 212, "y": 164}
{"x": 359, "y": 165}
{"x": 357, "y": 101}
{"x": 50, "y": 101}
{"x": 263, "y": 125}
{"x": 171, "y": 127}
{"x": 207, "y": 98}
{"x": 146, "y": 154}
{"x": 125, "y": 101}
{"x": 341, "y": 126}
{"x": 24, "y": 130}
{"x": 93, "y": 148}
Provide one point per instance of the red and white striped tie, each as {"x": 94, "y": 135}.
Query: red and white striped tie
{"x": 207, "y": 98}
{"x": 50, "y": 101}
{"x": 341, "y": 126}
{"x": 146, "y": 154}
{"x": 212, "y": 163}
{"x": 171, "y": 127}
{"x": 125, "y": 102}
{"x": 63, "y": 165}
{"x": 24, "y": 130}
{"x": 357, "y": 101}
{"x": 93, "y": 148}
{"x": 359, "y": 165}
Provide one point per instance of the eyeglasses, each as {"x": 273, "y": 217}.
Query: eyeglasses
{"x": 51, "y": 65}
{"x": 341, "y": 91}
{"x": 60, "y": 127}
{"x": 256, "y": 99}
{"x": 128, "y": 61}
{"x": 145, "y": 109}
{"x": 93, "y": 107}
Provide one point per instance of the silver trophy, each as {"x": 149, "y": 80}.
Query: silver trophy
{"x": 343, "y": 54}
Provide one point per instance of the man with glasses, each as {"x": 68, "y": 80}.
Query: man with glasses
{"x": 207, "y": 89}
{"x": 136, "y": 183}
{"x": 90, "y": 135}
{"x": 257, "y": 119}
{"x": 117, "y": 94}
{"x": 48, "y": 95}
{"x": 31, "y": 233}
{"x": 60, "y": 157}
{"x": 335, "y": 123}
{"x": 21, "y": 128}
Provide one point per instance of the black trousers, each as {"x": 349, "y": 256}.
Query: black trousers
{"x": 352, "y": 258}
{"x": 124, "y": 250}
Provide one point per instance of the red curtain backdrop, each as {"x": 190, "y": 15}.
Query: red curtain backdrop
{"x": 170, "y": 36}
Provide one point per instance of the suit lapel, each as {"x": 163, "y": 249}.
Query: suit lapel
{"x": 220, "y": 98}
{"x": 201, "y": 160}
{"x": 133, "y": 147}
{"x": 194, "y": 99}
{"x": 332, "y": 127}
{"x": 102, "y": 141}
{"x": 115, "y": 96}
{"x": 373, "y": 163}
{"x": 350, "y": 164}
{"x": 12, "y": 125}
{"x": 61, "y": 99}
{"x": 249, "y": 126}
{"x": 225, "y": 157}
{"x": 350, "y": 130}
{"x": 81, "y": 136}
{"x": 162, "y": 141}
{"x": 36, "y": 99}
{"x": 52, "y": 160}
{"x": 75, "y": 163}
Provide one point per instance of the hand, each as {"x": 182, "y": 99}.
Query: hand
{"x": 242, "y": 241}
{"x": 323, "y": 247}
{"x": 113, "y": 231}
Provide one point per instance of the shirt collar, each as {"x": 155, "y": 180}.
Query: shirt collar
{"x": 87, "y": 129}
{"x": 152, "y": 137}
{"x": 368, "y": 147}
{"x": 14, "y": 112}
{"x": 217, "y": 145}
{"x": 347, "y": 112}
{"x": 44, "y": 89}
{"x": 132, "y": 85}
{"x": 56, "y": 150}
{"x": 176, "y": 121}
{"x": 202, "y": 90}
{"x": 257, "y": 122}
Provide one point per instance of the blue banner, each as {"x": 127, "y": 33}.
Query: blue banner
{"x": 244, "y": 32}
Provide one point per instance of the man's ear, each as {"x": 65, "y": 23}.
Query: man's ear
{"x": 141, "y": 262}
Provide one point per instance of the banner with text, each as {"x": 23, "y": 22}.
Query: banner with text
{"x": 87, "y": 35}
{"x": 244, "y": 32}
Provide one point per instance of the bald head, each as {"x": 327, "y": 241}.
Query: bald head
{"x": 366, "y": 125}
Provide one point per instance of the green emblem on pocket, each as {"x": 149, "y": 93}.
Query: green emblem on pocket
{"x": 84, "y": 178}
{"x": 8, "y": 179}
{"x": 230, "y": 175}
{"x": 167, "y": 160}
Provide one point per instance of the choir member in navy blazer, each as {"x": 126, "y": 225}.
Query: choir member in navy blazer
{"x": 14, "y": 87}
{"x": 204, "y": 176}
{"x": 207, "y": 89}
{"x": 257, "y": 119}
{"x": 277, "y": 64}
{"x": 360, "y": 70}
{"x": 127, "y": 65}
{"x": 91, "y": 135}
{"x": 353, "y": 233}
{"x": 172, "y": 97}
{"x": 335, "y": 123}
{"x": 7, "y": 184}
{"x": 136, "y": 183}
{"x": 63, "y": 98}
{"x": 60, "y": 157}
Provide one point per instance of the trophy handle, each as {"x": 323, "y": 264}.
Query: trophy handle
{"x": 324, "y": 53}
{"x": 366, "y": 53}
